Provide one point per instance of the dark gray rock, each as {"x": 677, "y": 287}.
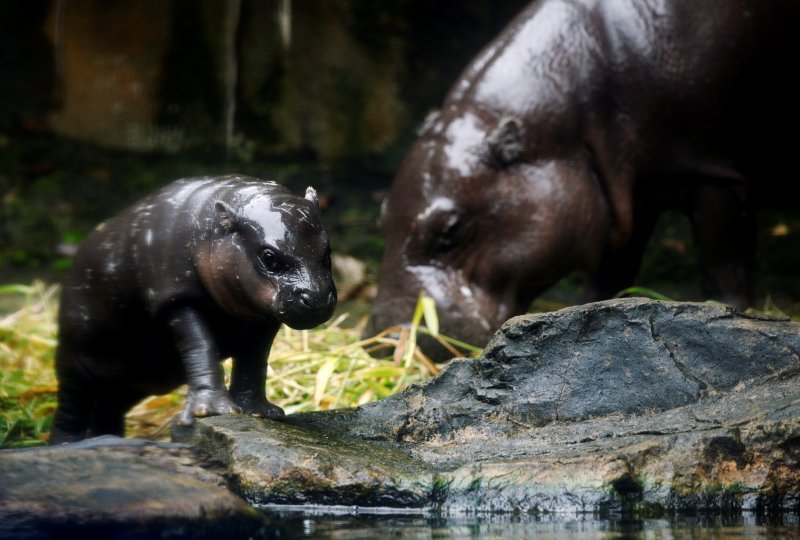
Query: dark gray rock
{"x": 620, "y": 356}
{"x": 119, "y": 488}
{"x": 620, "y": 405}
{"x": 738, "y": 451}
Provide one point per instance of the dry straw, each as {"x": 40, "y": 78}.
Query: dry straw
{"x": 326, "y": 368}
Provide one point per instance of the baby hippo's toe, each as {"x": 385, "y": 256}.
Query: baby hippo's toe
{"x": 266, "y": 410}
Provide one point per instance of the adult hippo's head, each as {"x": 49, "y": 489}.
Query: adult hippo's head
{"x": 566, "y": 137}
{"x": 483, "y": 216}
{"x": 502, "y": 194}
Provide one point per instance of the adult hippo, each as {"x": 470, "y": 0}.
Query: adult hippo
{"x": 159, "y": 295}
{"x": 566, "y": 137}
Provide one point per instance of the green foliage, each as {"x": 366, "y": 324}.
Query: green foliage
{"x": 27, "y": 382}
{"x": 25, "y": 418}
{"x": 61, "y": 264}
{"x": 642, "y": 291}
{"x": 770, "y": 308}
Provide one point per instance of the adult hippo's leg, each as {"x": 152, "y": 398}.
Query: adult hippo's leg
{"x": 724, "y": 229}
{"x": 249, "y": 373}
{"x": 619, "y": 267}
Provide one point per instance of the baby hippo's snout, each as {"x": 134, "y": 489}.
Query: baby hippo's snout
{"x": 306, "y": 308}
{"x": 323, "y": 299}
{"x": 306, "y": 299}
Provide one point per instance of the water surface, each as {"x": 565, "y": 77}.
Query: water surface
{"x": 352, "y": 522}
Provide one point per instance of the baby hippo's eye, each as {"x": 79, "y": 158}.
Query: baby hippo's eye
{"x": 271, "y": 261}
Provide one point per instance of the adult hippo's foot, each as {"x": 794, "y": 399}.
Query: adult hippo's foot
{"x": 206, "y": 403}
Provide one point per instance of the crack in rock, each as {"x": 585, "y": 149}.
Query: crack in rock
{"x": 686, "y": 372}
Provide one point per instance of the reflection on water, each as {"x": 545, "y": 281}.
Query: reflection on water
{"x": 346, "y": 523}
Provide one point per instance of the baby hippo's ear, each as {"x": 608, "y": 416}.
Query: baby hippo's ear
{"x": 226, "y": 216}
{"x": 507, "y": 141}
{"x": 311, "y": 195}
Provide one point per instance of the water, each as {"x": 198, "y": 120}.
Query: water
{"x": 351, "y": 523}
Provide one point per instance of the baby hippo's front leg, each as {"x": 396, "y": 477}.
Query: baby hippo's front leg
{"x": 206, "y": 402}
{"x": 249, "y": 374}
{"x": 201, "y": 360}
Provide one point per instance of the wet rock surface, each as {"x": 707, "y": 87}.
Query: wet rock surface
{"x": 276, "y": 462}
{"x": 110, "y": 487}
{"x": 620, "y": 405}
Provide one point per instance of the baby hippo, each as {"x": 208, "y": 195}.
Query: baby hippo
{"x": 202, "y": 270}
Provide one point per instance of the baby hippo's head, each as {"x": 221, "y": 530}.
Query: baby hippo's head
{"x": 270, "y": 257}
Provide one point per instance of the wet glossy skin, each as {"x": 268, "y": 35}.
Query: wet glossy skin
{"x": 202, "y": 270}
{"x": 566, "y": 137}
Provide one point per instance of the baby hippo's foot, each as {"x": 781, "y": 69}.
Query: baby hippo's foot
{"x": 266, "y": 410}
{"x": 206, "y": 402}
{"x": 258, "y": 406}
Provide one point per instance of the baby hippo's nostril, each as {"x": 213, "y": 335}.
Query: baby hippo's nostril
{"x": 305, "y": 299}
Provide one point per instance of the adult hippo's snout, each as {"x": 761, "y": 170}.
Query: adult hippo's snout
{"x": 465, "y": 312}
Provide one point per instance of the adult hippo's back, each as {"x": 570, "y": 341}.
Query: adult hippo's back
{"x": 566, "y": 137}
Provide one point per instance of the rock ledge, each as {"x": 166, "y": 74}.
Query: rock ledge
{"x": 625, "y": 405}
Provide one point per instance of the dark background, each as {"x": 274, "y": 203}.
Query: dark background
{"x": 102, "y": 101}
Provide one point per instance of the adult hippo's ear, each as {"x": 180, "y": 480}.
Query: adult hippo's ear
{"x": 226, "y": 216}
{"x": 311, "y": 195}
{"x": 507, "y": 141}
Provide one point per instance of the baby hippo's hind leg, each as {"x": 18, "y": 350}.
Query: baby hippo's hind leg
{"x": 108, "y": 416}
{"x": 74, "y": 412}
